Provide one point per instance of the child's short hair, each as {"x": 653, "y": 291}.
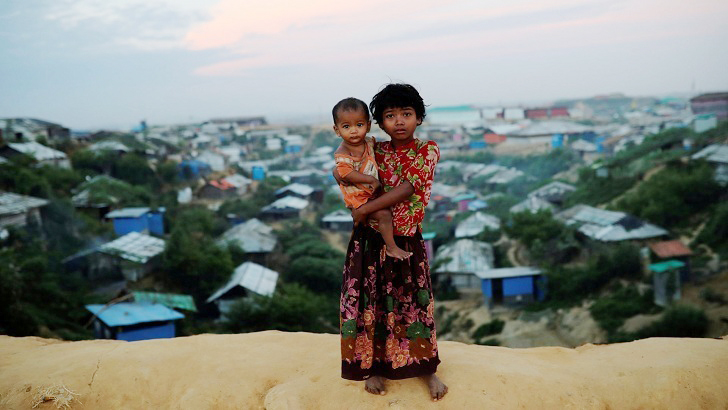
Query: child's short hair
{"x": 397, "y": 96}
{"x": 349, "y": 104}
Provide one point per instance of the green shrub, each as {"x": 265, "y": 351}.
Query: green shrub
{"x": 678, "y": 321}
{"x": 611, "y": 311}
{"x": 292, "y": 308}
{"x": 489, "y": 235}
{"x": 671, "y": 196}
{"x": 488, "y": 342}
{"x": 446, "y": 326}
{"x": 710, "y": 295}
{"x": 491, "y": 328}
{"x": 715, "y": 232}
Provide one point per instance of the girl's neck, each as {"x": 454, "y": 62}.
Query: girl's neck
{"x": 402, "y": 143}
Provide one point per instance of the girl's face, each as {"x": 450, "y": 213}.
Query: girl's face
{"x": 400, "y": 124}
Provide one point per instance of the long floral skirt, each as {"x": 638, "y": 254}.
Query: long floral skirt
{"x": 387, "y": 324}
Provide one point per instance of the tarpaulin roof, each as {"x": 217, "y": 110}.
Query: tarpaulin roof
{"x": 125, "y": 314}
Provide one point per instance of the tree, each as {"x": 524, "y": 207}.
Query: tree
{"x": 135, "y": 170}
{"x": 33, "y": 292}
{"x": 316, "y": 249}
{"x": 168, "y": 172}
{"x": 193, "y": 263}
{"x": 244, "y": 208}
{"x": 92, "y": 162}
{"x": 672, "y": 195}
{"x": 199, "y": 220}
{"x": 715, "y": 232}
{"x": 21, "y": 180}
{"x": 318, "y": 274}
{"x": 292, "y": 308}
{"x": 529, "y": 227}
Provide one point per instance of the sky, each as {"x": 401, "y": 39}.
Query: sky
{"x": 91, "y": 64}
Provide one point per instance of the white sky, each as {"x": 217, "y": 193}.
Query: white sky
{"x": 111, "y": 63}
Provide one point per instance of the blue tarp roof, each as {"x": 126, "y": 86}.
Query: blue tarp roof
{"x": 125, "y": 314}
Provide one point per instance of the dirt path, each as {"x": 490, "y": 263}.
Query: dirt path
{"x": 337, "y": 240}
{"x": 513, "y": 254}
{"x": 649, "y": 174}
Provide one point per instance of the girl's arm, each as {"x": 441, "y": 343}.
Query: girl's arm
{"x": 395, "y": 196}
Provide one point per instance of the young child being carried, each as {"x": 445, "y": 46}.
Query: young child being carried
{"x": 356, "y": 166}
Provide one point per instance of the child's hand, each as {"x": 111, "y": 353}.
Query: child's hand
{"x": 375, "y": 184}
{"x": 358, "y": 216}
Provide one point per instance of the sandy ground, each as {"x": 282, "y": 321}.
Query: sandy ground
{"x": 277, "y": 370}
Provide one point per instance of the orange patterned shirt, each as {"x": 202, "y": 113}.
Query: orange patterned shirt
{"x": 356, "y": 195}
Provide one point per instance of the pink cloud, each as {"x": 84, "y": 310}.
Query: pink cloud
{"x": 321, "y": 32}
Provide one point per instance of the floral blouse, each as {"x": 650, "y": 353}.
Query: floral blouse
{"x": 414, "y": 162}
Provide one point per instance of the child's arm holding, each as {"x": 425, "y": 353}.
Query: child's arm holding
{"x": 394, "y": 196}
{"x": 356, "y": 177}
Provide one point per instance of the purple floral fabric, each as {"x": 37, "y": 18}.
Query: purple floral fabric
{"x": 387, "y": 308}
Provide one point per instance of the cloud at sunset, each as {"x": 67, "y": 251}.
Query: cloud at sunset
{"x": 182, "y": 55}
{"x": 280, "y": 32}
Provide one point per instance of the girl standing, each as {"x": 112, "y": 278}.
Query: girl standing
{"x": 387, "y": 305}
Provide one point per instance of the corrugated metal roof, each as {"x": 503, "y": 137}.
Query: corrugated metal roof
{"x": 252, "y": 235}
{"x": 713, "y": 153}
{"x": 339, "y": 215}
{"x": 550, "y": 128}
{"x": 128, "y": 212}
{"x": 251, "y": 276}
{"x": 135, "y": 247}
{"x": 296, "y": 188}
{"x": 237, "y": 180}
{"x": 475, "y": 224}
{"x": 583, "y": 145}
{"x": 222, "y": 184}
{"x": 508, "y": 272}
{"x": 555, "y": 188}
{"x": 126, "y": 314}
{"x": 466, "y": 256}
{"x": 609, "y": 226}
{"x": 287, "y": 202}
{"x": 670, "y": 249}
{"x": 170, "y": 300}
{"x": 532, "y": 204}
{"x": 11, "y": 203}
{"x": 596, "y": 216}
{"x": 613, "y": 233}
{"x": 109, "y": 146}
{"x": 464, "y": 196}
{"x": 447, "y": 191}
{"x": 505, "y": 176}
{"x": 37, "y": 151}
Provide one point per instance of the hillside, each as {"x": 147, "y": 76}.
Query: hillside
{"x": 276, "y": 370}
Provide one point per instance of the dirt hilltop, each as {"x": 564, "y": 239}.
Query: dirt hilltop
{"x": 279, "y": 370}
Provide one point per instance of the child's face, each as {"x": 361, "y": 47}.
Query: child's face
{"x": 352, "y": 126}
{"x": 400, "y": 123}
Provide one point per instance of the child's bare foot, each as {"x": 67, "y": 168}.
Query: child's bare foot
{"x": 436, "y": 386}
{"x": 375, "y": 385}
{"x": 397, "y": 253}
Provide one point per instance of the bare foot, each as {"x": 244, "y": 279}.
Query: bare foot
{"x": 397, "y": 253}
{"x": 375, "y": 385}
{"x": 436, "y": 386}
